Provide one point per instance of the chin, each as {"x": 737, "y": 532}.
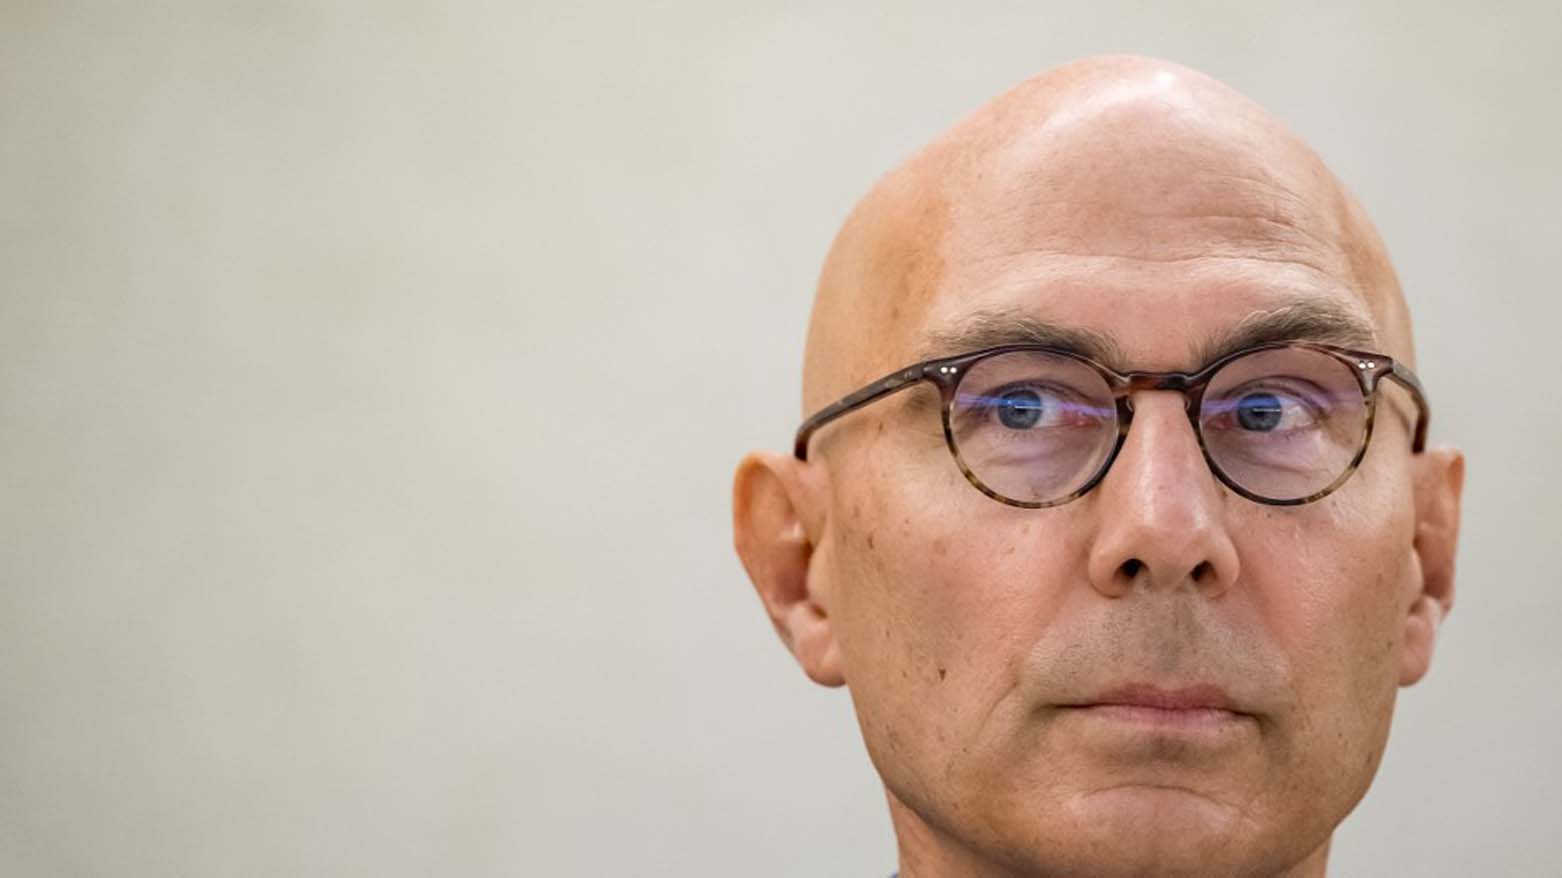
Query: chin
{"x": 1157, "y": 830}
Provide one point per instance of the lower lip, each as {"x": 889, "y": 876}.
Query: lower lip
{"x": 1163, "y": 718}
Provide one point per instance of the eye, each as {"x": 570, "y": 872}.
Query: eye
{"x": 1267, "y": 411}
{"x": 1019, "y": 409}
{"x": 1028, "y": 407}
{"x": 1259, "y": 411}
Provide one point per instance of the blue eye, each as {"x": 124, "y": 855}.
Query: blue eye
{"x": 1259, "y": 411}
{"x": 1019, "y": 409}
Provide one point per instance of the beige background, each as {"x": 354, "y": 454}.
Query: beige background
{"x": 371, "y": 376}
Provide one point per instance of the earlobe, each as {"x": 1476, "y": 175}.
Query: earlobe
{"x": 1439, "y": 485}
{"x": 771, "y": 506}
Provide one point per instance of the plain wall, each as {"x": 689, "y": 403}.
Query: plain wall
{"x": 372, "y": 376}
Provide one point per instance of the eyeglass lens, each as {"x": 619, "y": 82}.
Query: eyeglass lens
{"x": 1035, "y": 427}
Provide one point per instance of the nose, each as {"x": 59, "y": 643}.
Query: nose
{"x": 1160, "y": 510}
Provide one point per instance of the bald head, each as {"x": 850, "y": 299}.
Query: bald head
{"x": 1027, "y": 591}
{"x": 1023, "y": 660}
{"x": 1119, "y": 171}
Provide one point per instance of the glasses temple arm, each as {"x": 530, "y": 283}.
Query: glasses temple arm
{"x": 1410, "y": 382}
{"x": 855, "y": 400}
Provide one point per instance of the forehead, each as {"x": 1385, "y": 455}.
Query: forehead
{"x": 1141, "y": 317}
{"x": 1144, "y": 221}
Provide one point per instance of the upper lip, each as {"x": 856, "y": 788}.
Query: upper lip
{"x": 1202, "y": 696}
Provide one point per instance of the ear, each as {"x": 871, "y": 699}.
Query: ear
{"x": 773, "y": 505}
{"x": 1439, "y": 481}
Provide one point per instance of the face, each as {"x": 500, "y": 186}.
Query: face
{"x": 995, "y": 655}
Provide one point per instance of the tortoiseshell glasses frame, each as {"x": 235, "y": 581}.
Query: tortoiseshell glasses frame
{"x": 946, "y": 373}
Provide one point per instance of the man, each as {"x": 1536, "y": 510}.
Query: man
{"x": 1114, "y": 512}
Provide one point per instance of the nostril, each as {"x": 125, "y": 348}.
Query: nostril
{"x": 1131, "y": 567}
{"x": 1203, "y": 571}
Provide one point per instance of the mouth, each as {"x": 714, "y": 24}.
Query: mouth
{"x": 1190, "y": 709}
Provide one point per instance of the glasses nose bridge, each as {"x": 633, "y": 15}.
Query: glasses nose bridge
{"x": 1177, "y": 382}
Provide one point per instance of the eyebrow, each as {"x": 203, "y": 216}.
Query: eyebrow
{"x": 1312, "y": 319}
{"x": 1324, "y": 321}
{"x": 997, "y": 328}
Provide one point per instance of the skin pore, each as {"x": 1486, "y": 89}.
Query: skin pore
{"x": 1165, "y": 217}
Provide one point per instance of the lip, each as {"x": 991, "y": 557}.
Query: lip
{"x": 1203, "y": 696}
{"x": 1188, "y": 708}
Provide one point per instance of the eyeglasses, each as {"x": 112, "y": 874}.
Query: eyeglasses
{"x": 1034, "y": 426}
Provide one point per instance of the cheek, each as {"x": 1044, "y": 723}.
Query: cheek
{"x": 958, "y": 574}
{"x": 936, "y": 605}
{"x": 1328, "y": 581}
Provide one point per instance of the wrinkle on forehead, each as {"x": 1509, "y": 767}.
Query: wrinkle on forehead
{"x": 1117, "y": 160}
